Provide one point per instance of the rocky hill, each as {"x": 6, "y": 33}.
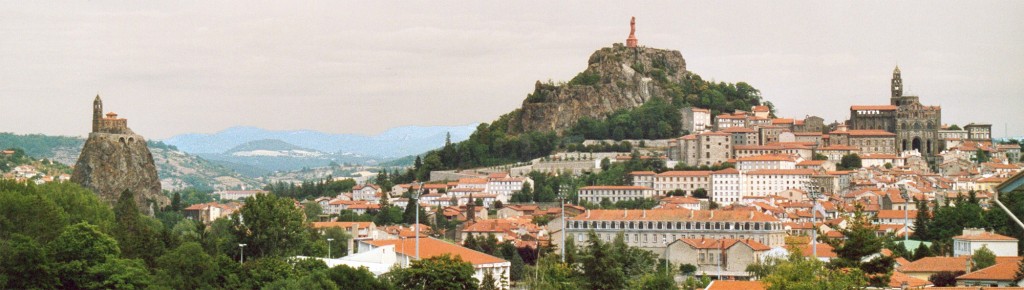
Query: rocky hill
{"x": 616, "y": 78}
{"x": 113, "y": 163}
{"x": 177, "y": 170}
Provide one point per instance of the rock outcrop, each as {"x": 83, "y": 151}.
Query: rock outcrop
{"x": 616, "y": 78}
{"x": 112, "y": 163}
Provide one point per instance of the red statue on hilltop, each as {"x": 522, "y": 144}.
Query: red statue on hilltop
{"x": 631, "y": 40}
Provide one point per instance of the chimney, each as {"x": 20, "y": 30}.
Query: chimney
{"x": 712, "y": 214}
{"x": 691, "y": 214}
{"x": 625, "y": 213}
{"x": 751, "y": 215}
{"x": 588, "y": 213}
{"x": 643, "y": 213}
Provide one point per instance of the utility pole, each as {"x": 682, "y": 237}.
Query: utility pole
{"x": 422, "y": 188}
{"x": 561, "y": 195}
{"x": 906, "y": 214}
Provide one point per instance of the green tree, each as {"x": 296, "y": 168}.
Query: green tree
{"x": 352, "y": 278}
{"x": 115, "y": 273}
{"x": 24, "y": 264}
{"x": 849, "y": 162}
{"x": 921, "y": 252}
{"x": 861, "y": 242}
{"x": 922, "y": 221}
{"x": 981, "y": 156}
{"x": 687, "y": 269}
{"x": 1019, "y": 275}
{"x": 983, "y": 258}
{"x": 654, "y": 281}
{"x": 24, "y": 211}
{"x": 388, "y": 215}
{"x": 488, "y": 282}
{"x": 78, "y": 248}
{"x": 186, "y": 267}
{"x": 551, "y": 274}
{"x": 269, "y": 226}
{"x": 945, "y": 278}
{"x": 339, "y": 244}
{"x": 136, "y": 236}
{"x": 819, "y": 156}
{"x": 259, "y": 273}
{"x": 700, "y": 193}
{"x": 438, "y": 272}
{"x": 953, "y": 127}
{"x": 312, "y": 211}
{"x": 601, "y": 266}
{"x": 802, "y": 273}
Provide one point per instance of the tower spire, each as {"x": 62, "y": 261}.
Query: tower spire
{"x": 897, "y": 85}
{"x": 97, "y": 113}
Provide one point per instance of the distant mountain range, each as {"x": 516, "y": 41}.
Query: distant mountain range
{"x": 393, "y": 143}
{"x": 257, "y": 152}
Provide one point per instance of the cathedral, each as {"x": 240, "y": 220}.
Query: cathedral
{"x": 916, "y": 126}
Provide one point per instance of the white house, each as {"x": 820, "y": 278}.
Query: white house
{"x": 973, "y": 239}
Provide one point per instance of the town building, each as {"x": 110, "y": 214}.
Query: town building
{"x": 614, "y": 193}
{"x": 973, "y": 239}
{"x": 654, "y": 229}
{"x": 714, "y": 257}
{"x": 696, "y": 120}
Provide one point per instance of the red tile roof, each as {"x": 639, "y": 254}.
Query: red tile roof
{"x": 1004, "y": 271}
{"x": 674, "y": 215}
{"x": 985, "y": 236}
{"x": 430, "y": 247}
{"x": 676, "y": 173}
{"x": 897, "y": 279}
{"x": 735, "y": 285}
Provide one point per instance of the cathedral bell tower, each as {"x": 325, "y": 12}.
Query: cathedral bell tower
{"x": 897, "y": 86}
{"x": 97, "y": 113}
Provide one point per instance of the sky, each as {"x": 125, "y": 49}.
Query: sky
{"x": 365, "y": 66}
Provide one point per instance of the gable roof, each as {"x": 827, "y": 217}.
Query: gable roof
{"x": 1004, "y": 271}
{"x": 431, "y": 247}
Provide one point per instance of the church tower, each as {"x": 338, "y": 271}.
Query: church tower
{"x": 97, "y": 113}
{"x": 897, "y": 85}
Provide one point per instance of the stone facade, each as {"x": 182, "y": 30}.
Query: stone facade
{"x": 707, "y": 148}
{"x": 696, "y": 120}
{"x": 979, "y": 132}
{"x": 916, "y": 126}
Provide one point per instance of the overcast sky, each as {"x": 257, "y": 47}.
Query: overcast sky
{"x": 365, "y": 66}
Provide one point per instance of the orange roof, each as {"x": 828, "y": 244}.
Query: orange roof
{"x": 985, "y": 236}
{"x": 895, "y": 214}
{"x": 760, "y": 109}
{"x": 781, "y": 172}
{"x": 936, "y": 264}
{"x": 767, "y": 157}
{"x": 1005, "y": 271}
{"x": 735, "y": 285}
{"x": 684, "y": 173}
{"x": 897, "y": 279}
{"x": 729, "y": 170}
{"x": 430, "y": 247}
{"x": 614, "y": 187}
{"x": 643, "y": 173}
{"x": 473, "y": 180}
{"x": 723, "y": 244}
{"x": 782, "y": 121}
{"x": 344, "y": 225}
{"x": 824, "y": 250}
{"x": 876, "y": 107}
{"x": 674, "y": 215}
{"x": 811, "y": 163}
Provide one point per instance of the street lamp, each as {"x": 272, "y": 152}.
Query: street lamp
{"x": 814, "y": 194}
{"x": 417, "y": 195}
{"x": 241, "y": 258}
{"x": 329, "y": 240}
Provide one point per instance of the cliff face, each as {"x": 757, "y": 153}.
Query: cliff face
{"x": 112, "y": 163}
{"x": 616, "y": 77}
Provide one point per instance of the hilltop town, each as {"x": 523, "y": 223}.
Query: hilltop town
{"x": 694, "y": 194}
